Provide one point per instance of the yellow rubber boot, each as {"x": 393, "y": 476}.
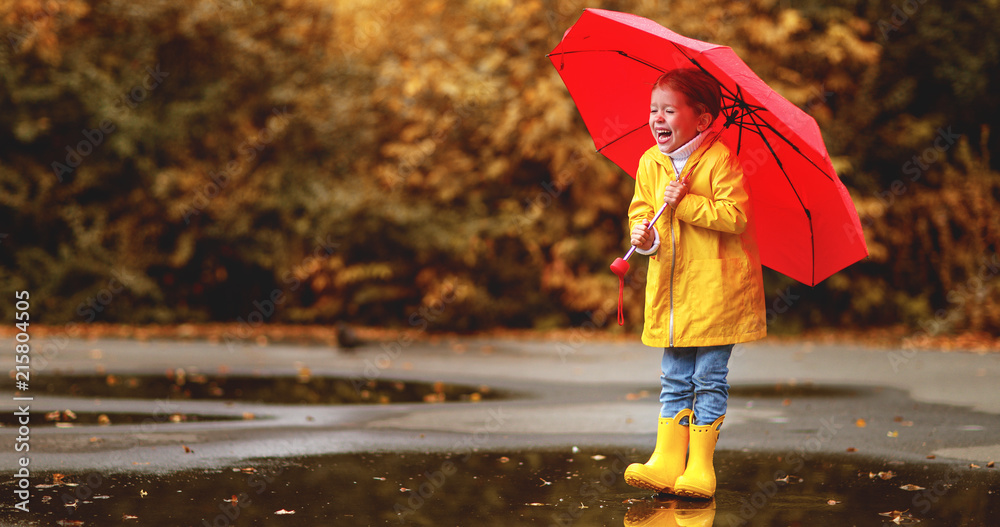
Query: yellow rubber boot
{"x": 698, "y": 479}
{"x": 668, "y": 459}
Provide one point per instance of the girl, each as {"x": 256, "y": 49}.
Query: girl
{"x": 704, "y": 290}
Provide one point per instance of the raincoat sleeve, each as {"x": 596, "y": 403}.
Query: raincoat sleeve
{"x": 726, "y": 208}
{"x": 641, "y": 207}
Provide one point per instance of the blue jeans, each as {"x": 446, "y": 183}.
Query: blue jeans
{"x": 695, "y": 378}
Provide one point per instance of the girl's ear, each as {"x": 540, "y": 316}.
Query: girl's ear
{"x": 704, "y": 121}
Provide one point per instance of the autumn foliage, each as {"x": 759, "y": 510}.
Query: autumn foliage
{"x": 420, "y": 164}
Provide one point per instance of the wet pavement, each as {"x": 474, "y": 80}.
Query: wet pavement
{"x": 518, "y": 488}
{"x": 492, "y": 432}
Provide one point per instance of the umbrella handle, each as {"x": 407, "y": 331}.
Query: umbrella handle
{"x": 620, "y": 267}
{"x": 650, "y": 226}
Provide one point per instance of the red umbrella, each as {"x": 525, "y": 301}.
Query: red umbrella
{"x": 807, "y": 226}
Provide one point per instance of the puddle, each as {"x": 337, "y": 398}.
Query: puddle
{"x": 804, "y": 390}
{"x": 304, "y": 389}
{"x": 69, "y": 418}
{"x": 513, "y": 488}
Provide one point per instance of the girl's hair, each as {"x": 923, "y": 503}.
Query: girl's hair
{"x": 702, "y": 91}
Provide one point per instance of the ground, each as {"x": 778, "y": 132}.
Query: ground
{"x": 489, "y": 430}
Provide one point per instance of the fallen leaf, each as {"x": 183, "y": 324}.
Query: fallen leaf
{"x": 931, "y": 456}
{"x": 786, "y": 402}
{"x": 103, "y": 420}
{"x": 129, "y": 517}
{"x": 142, "y": 493}
{"x": 892, "y": 433}
{"x": 990, "y": 464}
{"x": 900, "y": 517}
{"x": 544, "y": 483}
{"x": 898, "y": 419}
{"x": 973, "y": 465}
{"x": 57, "y": 479}
{"x": 187, "y": 450}
{"x": 536, "y": 504}
{"x": 911, "y": 487}
{"x": 851, "y": 449}
{"x": 597, "y": 457}
{"x": 504, "y": 459}
{"x": 404, "y": 489}
{"x": 860, "y": 423}
{"x": 380, "y": 478}
{"x": 790, "y": 479}
{"x": 832, "y": 502}
{"x": 283, "y": 511}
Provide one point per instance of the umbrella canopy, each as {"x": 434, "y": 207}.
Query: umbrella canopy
{"x": 807, "y": 226}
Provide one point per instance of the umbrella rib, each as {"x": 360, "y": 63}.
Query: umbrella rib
{"x": 618, "y": 51}
{"x": 738, "y": 100}
{"x": 794, "y": 147}
{"x": 754, "y": 112}
{"x": 812, "y": 237}
{"x": 740, "y": 104}
{"x": 778, "y": 161}
{"x": 615, "y": 140}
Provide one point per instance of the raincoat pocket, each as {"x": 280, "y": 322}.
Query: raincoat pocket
{"x": 716, "y": 288}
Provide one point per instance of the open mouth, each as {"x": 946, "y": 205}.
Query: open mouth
{"x": 663, "y": 135}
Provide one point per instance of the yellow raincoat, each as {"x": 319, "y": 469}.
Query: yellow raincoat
{"x": 704, "y": 285}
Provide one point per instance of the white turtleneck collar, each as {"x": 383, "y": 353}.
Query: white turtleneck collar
{"x": 680, "y": 156}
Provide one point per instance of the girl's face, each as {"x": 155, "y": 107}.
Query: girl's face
{"x": 673, "y": 121}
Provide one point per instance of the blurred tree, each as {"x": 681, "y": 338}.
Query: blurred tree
{"x": 420, "y": 164}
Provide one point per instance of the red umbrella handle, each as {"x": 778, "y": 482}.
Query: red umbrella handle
{"x": 620, "y": 267}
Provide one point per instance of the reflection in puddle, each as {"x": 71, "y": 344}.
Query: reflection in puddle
{"x": 69, "y": 418}
{"x": 301, "y": 389}
{"x": 668, "y": 510}
{"x": 517, "y": 488}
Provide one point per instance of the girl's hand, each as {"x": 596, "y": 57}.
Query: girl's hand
{"x": 641, "y": 237}
{"x": 675, "y": 192}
